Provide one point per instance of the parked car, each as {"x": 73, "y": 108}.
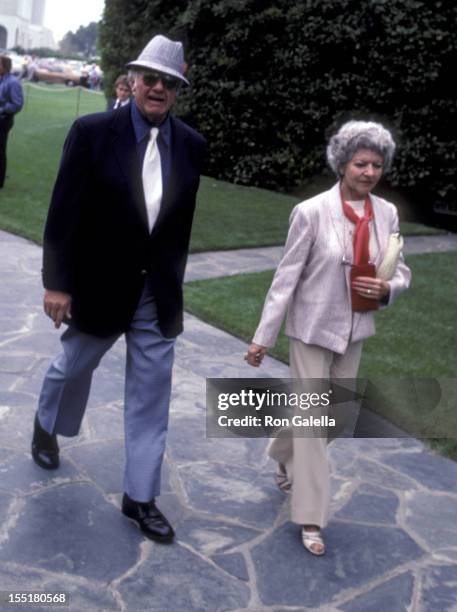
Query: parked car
{"x": 56, "y": 73}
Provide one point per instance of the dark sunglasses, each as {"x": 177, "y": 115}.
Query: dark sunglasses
{"x": 151, "y": 78}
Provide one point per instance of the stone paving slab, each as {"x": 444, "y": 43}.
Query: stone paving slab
{"x": 348, "y": 563}
{"x": 392, "y": 543}
{"x": 395, "y": 594}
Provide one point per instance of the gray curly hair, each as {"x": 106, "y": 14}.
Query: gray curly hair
{"x": 356, "y": 135}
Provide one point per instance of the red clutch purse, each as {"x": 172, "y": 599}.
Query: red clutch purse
{"x": 360, "y": 303}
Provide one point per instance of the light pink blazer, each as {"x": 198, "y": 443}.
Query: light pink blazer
{"x": 313, "y": 285}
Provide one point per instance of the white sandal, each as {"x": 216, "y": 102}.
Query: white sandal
{"x": 309, "y": 538}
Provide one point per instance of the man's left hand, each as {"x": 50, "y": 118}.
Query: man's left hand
{"x": 57, "y": 305}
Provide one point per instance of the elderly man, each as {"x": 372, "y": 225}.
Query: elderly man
{"x": 115, "y": 250}
{"x": 11, "y": 102}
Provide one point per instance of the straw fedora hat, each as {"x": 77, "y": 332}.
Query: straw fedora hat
{"x": 164, "y": 55}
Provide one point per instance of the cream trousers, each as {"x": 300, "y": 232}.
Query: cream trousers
{"x": 306, "y": 459}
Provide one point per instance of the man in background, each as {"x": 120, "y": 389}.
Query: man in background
{"x": 11, "y": 102}
{"x": 123, "y": 93}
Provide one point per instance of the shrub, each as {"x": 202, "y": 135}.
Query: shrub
{"x": 271, "y": 79}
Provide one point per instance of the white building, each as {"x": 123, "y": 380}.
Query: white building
{"x": 21, "y": 25}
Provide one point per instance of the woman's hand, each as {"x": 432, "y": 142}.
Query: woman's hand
{"x": 255, "y": 354}
{"x": 371, "y": 288}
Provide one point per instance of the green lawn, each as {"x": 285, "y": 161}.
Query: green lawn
{"x": 228, "y": 216}
{"x": 232, "y": 216}
{"x": 34, "y": 149}
{"x": 415, "y": 338}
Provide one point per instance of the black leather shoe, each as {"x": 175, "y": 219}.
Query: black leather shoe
{"x": 45, "y": 450}
{"x": 149, "y": 518}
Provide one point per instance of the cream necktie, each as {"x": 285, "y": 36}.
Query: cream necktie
{"x": 152, "y": 178}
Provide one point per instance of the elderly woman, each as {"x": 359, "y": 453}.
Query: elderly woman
{"x": 327, "y": 282}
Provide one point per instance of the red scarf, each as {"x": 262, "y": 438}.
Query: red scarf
{"x": 362, "y": 231}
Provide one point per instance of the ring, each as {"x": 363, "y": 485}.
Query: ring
{"x": 369, "y": 291}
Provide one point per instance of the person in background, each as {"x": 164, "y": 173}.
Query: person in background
{"x": 25, "y": 67}
{"x": 115, "y": 249}
{"x": 327, "y": 282}
{"x": 123, "y": 93}
{"x": 84, "y": 78}
{"x": 11, "y": 102}
{"x": 32, "y": 68}
{"x": 94, "y": 77}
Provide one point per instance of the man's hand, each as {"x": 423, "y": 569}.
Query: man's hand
{"x": 255, "y": 354}
{"x": 57, "y": 305}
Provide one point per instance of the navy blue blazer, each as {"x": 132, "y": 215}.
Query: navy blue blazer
{"x": 97, "y": 245}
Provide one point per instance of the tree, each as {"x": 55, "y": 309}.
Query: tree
{"x": 83, "y": 41}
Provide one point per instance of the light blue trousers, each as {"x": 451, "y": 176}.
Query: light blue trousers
{"x": 148, "y": 370}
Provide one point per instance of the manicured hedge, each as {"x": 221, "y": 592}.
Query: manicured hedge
{"x": 272, "y": 78}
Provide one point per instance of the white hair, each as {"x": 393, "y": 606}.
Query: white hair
{"x": 132, "y": 74}
{"x": 356, "y": 135}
